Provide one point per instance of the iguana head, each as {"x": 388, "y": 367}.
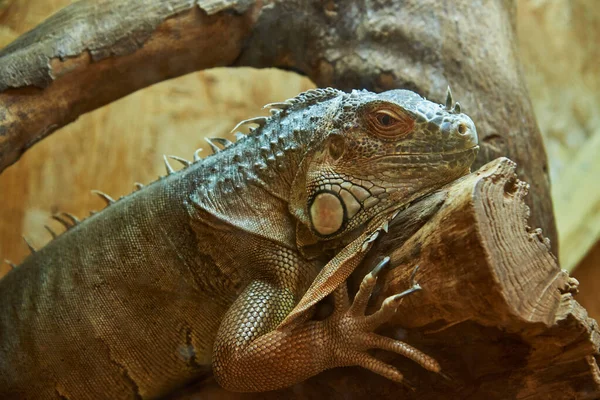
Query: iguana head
{"x": 378, "y": 152}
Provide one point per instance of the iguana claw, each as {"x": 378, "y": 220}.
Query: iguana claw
{"x": 380, "y": 266}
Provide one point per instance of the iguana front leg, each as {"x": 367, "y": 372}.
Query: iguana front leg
{"x": 253, "y": 353}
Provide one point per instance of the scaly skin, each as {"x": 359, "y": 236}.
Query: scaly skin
{"x": 219, "y": 265}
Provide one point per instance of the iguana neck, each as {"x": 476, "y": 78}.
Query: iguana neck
{"x": 248, "y": 184}
{"x": 268, "y": 158}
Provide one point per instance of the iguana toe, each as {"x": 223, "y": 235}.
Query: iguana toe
{"x": 355, "y": 331}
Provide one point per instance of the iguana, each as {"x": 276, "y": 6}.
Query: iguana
{"x": 218, "y": 266}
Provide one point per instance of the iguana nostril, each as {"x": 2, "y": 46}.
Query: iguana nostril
{"x": 462, "y": 129}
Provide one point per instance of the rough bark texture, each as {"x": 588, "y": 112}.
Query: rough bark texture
{"x": 495, "y": 310}
{"x": 421, "y": 45}
{"x": 92, "y": 53}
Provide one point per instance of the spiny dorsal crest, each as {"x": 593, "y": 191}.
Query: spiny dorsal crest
{"x": 314, "y": 96}
{"x": 305, "y": 99}
{"x": 302, "y": 100}
{"x": 449, "y": 101}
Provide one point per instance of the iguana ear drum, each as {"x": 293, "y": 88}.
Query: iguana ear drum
{"x": 327, "y": 213}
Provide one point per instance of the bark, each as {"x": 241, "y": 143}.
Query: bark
{"x": 95, "y": 52}
{"x": 496, "y": 310}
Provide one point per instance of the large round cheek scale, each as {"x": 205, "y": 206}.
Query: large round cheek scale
{"x": 327, "y": 213}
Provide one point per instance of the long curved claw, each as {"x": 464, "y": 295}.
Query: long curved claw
{"x": 359, "y": 305}
{"x": 445, "y": 376}
{"x": 412, "y": 276}
{"x": 380, "y": 266}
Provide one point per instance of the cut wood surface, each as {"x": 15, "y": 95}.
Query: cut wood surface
{"x": 51, "y": 76}
{"x": 495, "y": 310}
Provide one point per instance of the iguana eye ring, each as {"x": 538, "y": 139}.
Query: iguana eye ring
{"x": 391, "y": 124}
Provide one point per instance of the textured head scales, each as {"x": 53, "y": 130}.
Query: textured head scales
{"x": 378, "y": 152}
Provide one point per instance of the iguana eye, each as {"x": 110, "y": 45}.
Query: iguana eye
{"x": 389, "y": 124}
{"x": 384, "y": 119}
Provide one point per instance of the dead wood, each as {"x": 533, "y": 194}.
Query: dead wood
{"x": 94, "y": 52}
{"x": 496, "y": 310}
{"x": 499, "y": 312}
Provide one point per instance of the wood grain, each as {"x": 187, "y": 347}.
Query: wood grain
{"x": 119, "y": 144}
{"x": 578, "y": 202}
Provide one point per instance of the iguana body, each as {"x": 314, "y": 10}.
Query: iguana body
{"x": 217, "y": 266}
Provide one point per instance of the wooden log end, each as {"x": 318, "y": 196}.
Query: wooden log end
{"x": 495, "y": 310}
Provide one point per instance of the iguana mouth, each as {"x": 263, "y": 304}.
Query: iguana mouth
{"x": 474, "y": 148}
{"x": 442, "y": 155}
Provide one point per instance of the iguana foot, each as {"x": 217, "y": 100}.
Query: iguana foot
{"x": 354, "y": 331}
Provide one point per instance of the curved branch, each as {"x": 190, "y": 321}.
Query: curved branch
{"x": 92, "y": 53}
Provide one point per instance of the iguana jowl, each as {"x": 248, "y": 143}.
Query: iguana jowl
{"x": 218, "y": 265}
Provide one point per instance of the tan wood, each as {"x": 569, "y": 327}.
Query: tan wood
{"x": 555, "y": 54}
{"x": 558, "y": 48}
{"x": 123, "y": 142}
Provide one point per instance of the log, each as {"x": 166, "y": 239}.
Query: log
{"x": 496, "y": 310}
{"x": 94, "y": 52}
{"x": 50, "y": 75}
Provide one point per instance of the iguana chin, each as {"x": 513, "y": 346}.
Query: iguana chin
{"x": 218, "y": 266}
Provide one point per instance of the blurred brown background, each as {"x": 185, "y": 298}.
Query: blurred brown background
{"x": 117, "y": 145}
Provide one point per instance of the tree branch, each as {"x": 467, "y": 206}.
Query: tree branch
{"x": 496, "y": 311}
{"x": 92, "y": 53}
